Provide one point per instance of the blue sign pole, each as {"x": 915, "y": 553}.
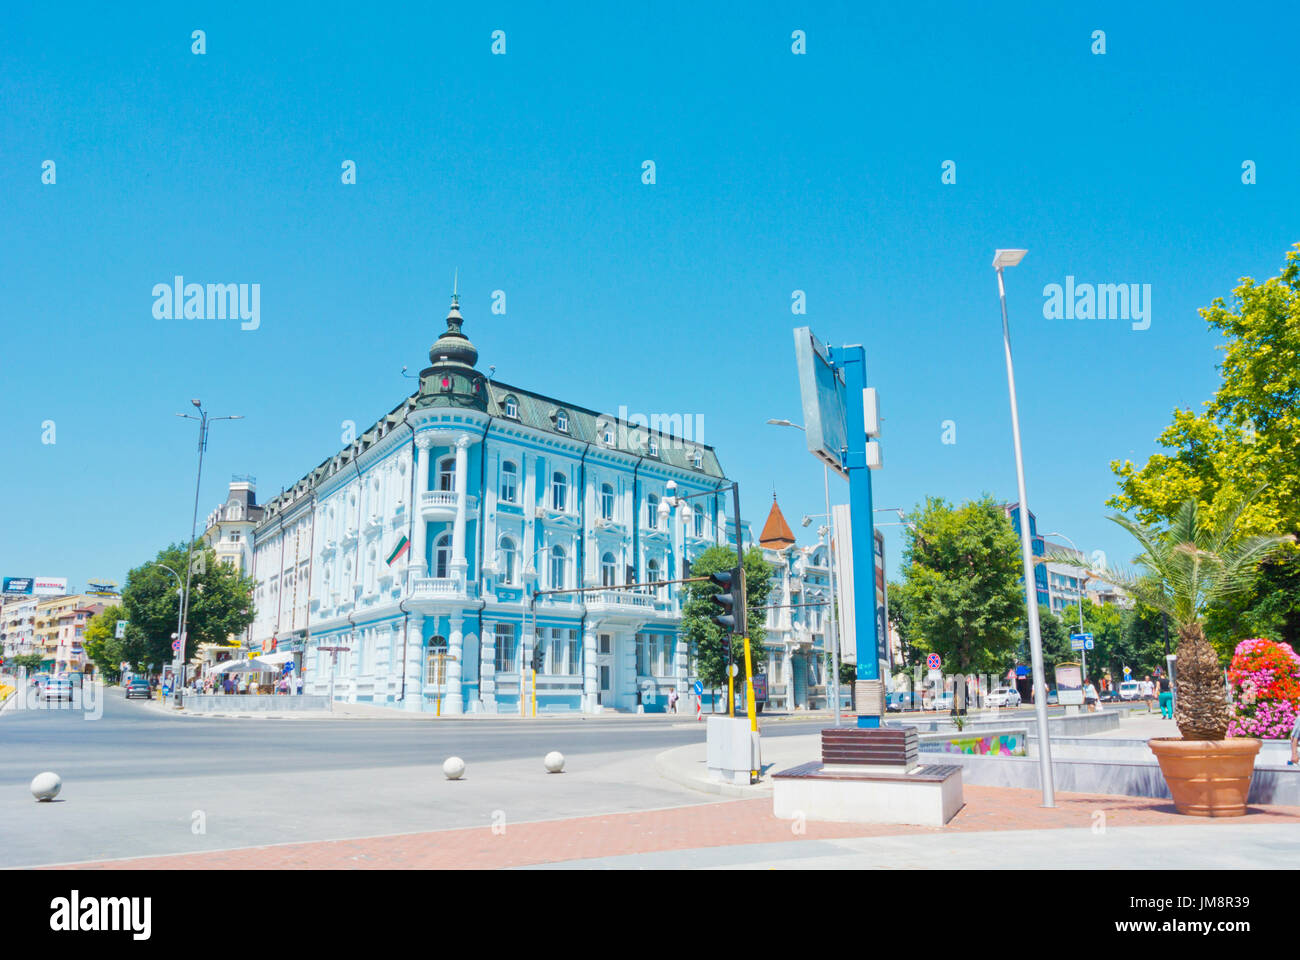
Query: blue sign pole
{"x": 853, "y": 362}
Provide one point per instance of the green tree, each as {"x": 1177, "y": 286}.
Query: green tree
{"x": 961, "y": 594}
{"x": 221, "y": 605}
{"x": 102, "y": 645}
{"x": 1246, "y": 436}
{"x": 704, "y": 636}
{"x": 900, "y": 617}
{"x": 1056, "y": 642}
{"x": 28, "y": 661}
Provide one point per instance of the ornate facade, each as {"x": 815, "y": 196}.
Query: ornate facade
{"x": 405, "y": 570}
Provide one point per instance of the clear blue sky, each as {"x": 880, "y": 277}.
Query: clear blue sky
{"x": 775, "y": 172}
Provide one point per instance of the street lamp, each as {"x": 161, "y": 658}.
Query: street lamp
{"x": 1001, "y": 260}
{"x": 179, "y": 664}
{"x": 830, "y": 566}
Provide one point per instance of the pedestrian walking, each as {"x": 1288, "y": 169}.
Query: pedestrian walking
{"x": 672, "y": 700}
{"x": 1166, "y": 697}
{"x": 299, "y": 685}
{"x": 1148, "y": 691}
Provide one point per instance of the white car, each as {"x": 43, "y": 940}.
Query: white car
{"x": 1003, "y": 697}
{"x": 58, "y": 688}
{"x": 1130, "y": 690}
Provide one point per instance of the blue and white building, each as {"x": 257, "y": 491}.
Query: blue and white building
{"x": 401, "y": 570}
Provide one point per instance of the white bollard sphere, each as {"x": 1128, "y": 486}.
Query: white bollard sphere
{"x": 46, "y": 786}
{"x": 454, "y": 768}
{"x": 554, "y": 762}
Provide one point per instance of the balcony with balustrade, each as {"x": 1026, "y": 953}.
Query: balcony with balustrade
{"x": 440, "y": 505}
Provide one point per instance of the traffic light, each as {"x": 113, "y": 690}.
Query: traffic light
{"x": 731, "y": 600}
{"x": 539, "y": 654}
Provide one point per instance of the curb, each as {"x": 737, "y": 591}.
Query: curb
{"x": 734, "y": 791}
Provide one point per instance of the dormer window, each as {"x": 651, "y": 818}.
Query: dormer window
{"x": 697, "y": 459}
{"x": 561, "y": 421}
{"x": 654, "y": 446}
{"x": 512, "y": 408}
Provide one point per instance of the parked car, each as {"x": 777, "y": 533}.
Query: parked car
{"x": 137, "y": 687}
{"x": 900, "y": 700}
{"x": 1109, "y": 695}
{"x": 1003, "y": 697}
{"x": 1130, "y": 690}
{"x": 57, "y": 688}
{"x": 942, "y": 702}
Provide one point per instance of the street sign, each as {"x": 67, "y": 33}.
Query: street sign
{"x": 1087, "y": 644}
{"x": 1076, "y": 643}
{"x": 932, "y": 661}
{"x": 176, "y": 646}
{"x": 1127, "y": 671}
{"x": 121, "y": 630}
{"x": 699, "y": 688}
{"x": 733, "y": 670}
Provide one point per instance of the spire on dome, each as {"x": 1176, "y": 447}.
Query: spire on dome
{"x": 450, "y": 379}
{"x": 776, "y": 532}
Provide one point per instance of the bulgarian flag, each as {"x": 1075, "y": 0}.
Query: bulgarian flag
{"x": 400, "y": 548}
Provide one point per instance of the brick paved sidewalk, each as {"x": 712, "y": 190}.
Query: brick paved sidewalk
{"x": 725, "y": 823}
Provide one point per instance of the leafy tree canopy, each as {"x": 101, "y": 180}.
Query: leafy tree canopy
{"x": 961, "y": 593}
{"x": 698, "y": 609}
{"x": 221, "y": 605}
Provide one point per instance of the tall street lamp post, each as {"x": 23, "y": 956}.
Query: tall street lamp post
{"x": 179, "y": 662}
{"x": 830, "y": 561}
{"x": 1001, "y": 260}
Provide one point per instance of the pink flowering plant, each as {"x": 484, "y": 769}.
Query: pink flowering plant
{"x": 1265, "y": 680}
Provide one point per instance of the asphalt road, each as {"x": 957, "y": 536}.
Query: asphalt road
{"x": 138, "y": 782}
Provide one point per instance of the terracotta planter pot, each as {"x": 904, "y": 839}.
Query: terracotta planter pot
{"x": 1207, "y": 778}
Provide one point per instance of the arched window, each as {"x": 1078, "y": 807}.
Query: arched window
{"x": 372, "y": 562}
{"x": 697, "y": 458}
{"x": 437, "y": 661}
{"x": 698, "y": 516}
{"x": 559, "y": 564}
{"x": 654, "y": 446}
{"x": 559, "y": 490}
{"x": 608, "y": 570}
{"x": 447, "y": 473}
{"x": 652, "y": 512}
{"x": 509, "y": 482}
{"x": 652, "y": 576}
{"x": 512, "y": 408}
{"x": 606, "y": 502}
{"x": 442, "y": 557}
{"x": 508, "y": 560}
{"x": 562, "y": 421}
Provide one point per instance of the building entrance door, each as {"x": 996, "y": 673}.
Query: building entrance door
{"x": 605, "y": 669}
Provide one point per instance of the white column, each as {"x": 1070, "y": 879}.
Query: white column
{"x": 455, "y": 699}
{"x": 421, "y": 527}
{"x": 787, "y": 671}
{"x": 458, "y": 562}
{"x": 412, "y": 667}
{"x": 528, "y": 464}
{"x": 590, "y": 688}
{"x": 487, "y": 681}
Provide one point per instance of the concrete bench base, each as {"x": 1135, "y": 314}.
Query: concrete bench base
{"x": 929, "y": 796}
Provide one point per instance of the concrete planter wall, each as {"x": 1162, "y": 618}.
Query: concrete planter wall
{"x": 249, "y": 703}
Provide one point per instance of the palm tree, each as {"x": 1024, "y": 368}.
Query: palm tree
{"x": 1185, "y": 568}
